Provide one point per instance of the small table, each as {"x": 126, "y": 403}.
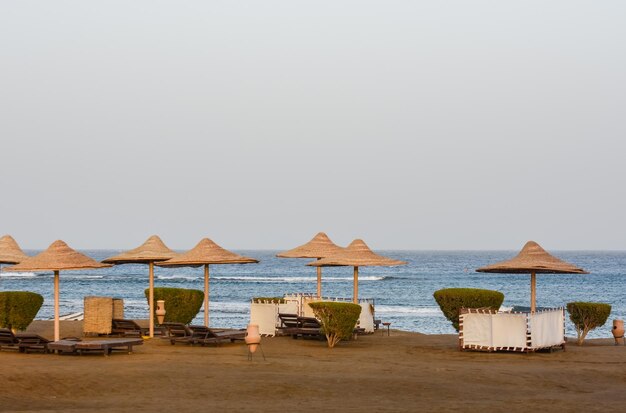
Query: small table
{"x": 387, "y": 324}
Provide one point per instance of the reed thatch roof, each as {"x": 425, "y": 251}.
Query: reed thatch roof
{"x": 206, "y": 252}
{"x": 10, "y": 252}
{"x": 319, "y": 247}
{"x": 533, "y": 258}
{"x": 357, "y": 254}
{"x": 152, "y": 250}
{"x": 58, "y": 257}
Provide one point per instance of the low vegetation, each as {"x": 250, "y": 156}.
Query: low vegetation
{"x": 18, "y": 309}
{"x": 272, "y": 300}
{"x": 587, "y": 316}
{"x": 181, "y": 305}
{"x": 451, "y": 300}
{"x": 337, "y": 319}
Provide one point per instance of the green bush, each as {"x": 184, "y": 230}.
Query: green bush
{"x": 587, "y": 316}
{"x": 181, "y": 305}
{"x": 337, "y": 319}
{"x": 451, "y": 300}
{"x": 273, "y": 300}
{"x": 18, "y": 309}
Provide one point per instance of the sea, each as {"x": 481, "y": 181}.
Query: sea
{"x": 403, "y": 295}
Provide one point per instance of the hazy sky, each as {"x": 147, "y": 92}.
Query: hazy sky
{"x": 413, "y": 125}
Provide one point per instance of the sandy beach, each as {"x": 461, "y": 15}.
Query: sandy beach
{"x": 402, "y": 372}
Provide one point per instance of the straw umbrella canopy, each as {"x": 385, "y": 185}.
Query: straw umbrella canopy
{"x": 534, "y": 260}
{"x": 206, "y": 252}
{"x": 151, "y": 251}
{"x": 10, "y": 252}
{"x": 58, "y": 257}
{"x": 319, "y": 247}
{"x": 356, "y": 255}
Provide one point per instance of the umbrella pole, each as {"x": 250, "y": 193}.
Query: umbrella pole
{"x": 151, "y": 298}
{"x": 319, "y": 281}
{"x": 206, "y": 295}
{"x": 533, "y": 292}
{"x": 57, "y": 334}
{"x": 355, "y": 293}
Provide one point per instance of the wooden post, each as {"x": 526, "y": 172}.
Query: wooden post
{"x": 57, "y": 334}
{"x": 533, "y": 292}
{"x": 206, "y": 295}
{"x": 151, "y": 298}
{"x": 319, "y": 281}
{"x": 355, "y": 294}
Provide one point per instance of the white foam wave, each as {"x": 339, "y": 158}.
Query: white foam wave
{"x": 82, "y": 277}
{"x": 18, "y": 275}
{"x": 416, "y": 311}
{"x": 295, "y": 279}
{"x": 178, "y": 277}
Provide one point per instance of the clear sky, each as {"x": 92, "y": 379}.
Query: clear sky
{"x": 412, "y": 125}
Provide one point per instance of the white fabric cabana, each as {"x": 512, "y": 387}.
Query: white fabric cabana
{"x": 505, "y": 331}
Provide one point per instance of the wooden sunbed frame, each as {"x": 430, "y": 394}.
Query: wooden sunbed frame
{"x": 22, "y": 342}
{"x": 191, "y": 334}
{"x": 128, "y": 328}
{"x": 296, "y": 326}
{"x": 106, "y": 346}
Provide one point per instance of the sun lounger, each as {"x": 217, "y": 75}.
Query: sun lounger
{"x": 22, "y": 342}
{"x": 106, "y": 346}
{"x": 231, "y": 335}
{"x": 129, "y": 328}
{"x": 295, "y": 326}
{"x": 288, "y": 320}
{"x": 191, "y": 334}
{"x": 179, "y": 333}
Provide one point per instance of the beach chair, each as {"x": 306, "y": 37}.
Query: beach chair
{"x": 129, "y": 328}
{"x": 106, "y": 346}
{"x": 287, "y": 323}
{"x": 181, "y": 333}
{"x": 192, "y": 334}
{"x": 22, "y": 342}
{"x": 231, "y": 335}
{"x": 204, "y": 335}
{"x": 296, "y": 326}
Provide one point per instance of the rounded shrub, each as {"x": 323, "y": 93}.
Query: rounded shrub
{"x": 587, "y": 316}
{"x": 181, "y": 304}
{"x": 451, "y": 300}
{"x": 18, "y": 309}
{"x": 337, "y": 319}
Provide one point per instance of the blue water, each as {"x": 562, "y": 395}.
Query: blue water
{"x": 403, "y": 294}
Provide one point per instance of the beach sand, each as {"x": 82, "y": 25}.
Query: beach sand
{"x": 402, "y": 372}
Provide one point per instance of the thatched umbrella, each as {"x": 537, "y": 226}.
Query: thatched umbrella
{"x": 319, "y": 247}
{"x": 10, "y": 252}
{"x": 205, "y": 253}
{"x": 151, "y": 251}
{"x": 534, "y": 260}
{"x": 356, "y": 255}
{"x": 57, "y": 257}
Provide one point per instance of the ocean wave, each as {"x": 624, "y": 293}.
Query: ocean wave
{"x": 18, "y": 275}
{"x": 178, "y": 277}
{"x": 295, "y": 279}
{"x": 81, "y": 277}
{"x": 417, "y": 311}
